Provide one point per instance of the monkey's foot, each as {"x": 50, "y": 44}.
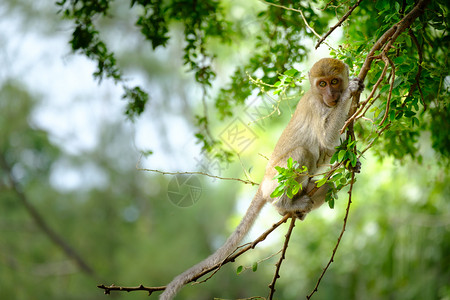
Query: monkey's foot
{"x": 298, "y": 206}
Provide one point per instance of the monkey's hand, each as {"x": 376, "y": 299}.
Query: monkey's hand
{"x": 357, "y": 167}
{"x": 356, "y": 85}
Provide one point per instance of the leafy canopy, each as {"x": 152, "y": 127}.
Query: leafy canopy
{"x": 411, "y": 95}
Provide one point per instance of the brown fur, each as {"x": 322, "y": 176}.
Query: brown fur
{"x": 309, "y": 138}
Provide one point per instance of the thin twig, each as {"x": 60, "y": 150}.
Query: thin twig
{"x": 419, "y": 71}
{"x": 379, "y": 132}
{"x": 252, "y": 245}
{"x": 282, "y": 257}
{"x": 339, "y": 238}
{"x": 385, "y": 43}
{"x": 296, "y": 10}
{"x": 368, "y": 105}
{"x": 338, "y": 23}
{"x": 112, "y": 287}
{"x": 387, "y": 60}
{"x": 198, "y": 173}
{"x": 231, "y": 258}
{"x": 261, "y": 261}
{"x": 357, "y": 114}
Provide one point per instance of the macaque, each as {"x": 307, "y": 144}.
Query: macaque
{"x": 310, "y": 139}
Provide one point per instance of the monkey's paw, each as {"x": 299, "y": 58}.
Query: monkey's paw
{"x": 357, "y": 167}
{"x": 356, "y": 85}
{"x": 298, "y": 206}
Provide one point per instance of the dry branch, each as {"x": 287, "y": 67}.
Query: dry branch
{"x": 199, "y": 173}
{"x": 282, "y": 257}
{"x": 349, "y": 12}
{"x": 112, "y": 287}
{"x": 339, "y": 238}
{"x": 231, "y": 258}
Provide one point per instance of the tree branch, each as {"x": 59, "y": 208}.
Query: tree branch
{"x": 282, "y": 257}
{"x": 41, "y": 223}
{"x": 339, "y": 238}
{"x": 296, "y": 10}
{"x": 385, "y": 42}
{"x": 231, "y": 258}
{"x": 198, "y": 173}
{"x": 419, "y": 71}
{"x": 112, "y": 287}
{"x": 387, "y": 61}
{"x": 339, "y": 23}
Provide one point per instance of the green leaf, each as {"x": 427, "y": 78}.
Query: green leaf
{"x": 391, "y": 115}
{"x": 255, "y": 266}
{"x": 341, "y": 155}
{"x": 321, "y": 182}
{"x": 397, "y": 82}
{"x": 353, "y": 158}
{"x": 334, "y": 158}
{"x": 296, "y": 188}
{"x": 291, "y": 72}
{"x": 330, "y": 202}
{"x": 279, "y": 169}
{"x": 239, "y": 270}
{"x": 289, "y": 163}
{"x": 279, "y": 191}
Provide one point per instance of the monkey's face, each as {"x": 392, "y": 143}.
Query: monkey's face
{"x": 330, "y": 89}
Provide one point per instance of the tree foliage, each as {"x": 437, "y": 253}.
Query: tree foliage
{"x": 416, "y": 83}
{"x": 400, "y": 48}
{"x": 405, "y": 106}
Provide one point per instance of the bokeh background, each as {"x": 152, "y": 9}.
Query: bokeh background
{"x": 76, "y": 211}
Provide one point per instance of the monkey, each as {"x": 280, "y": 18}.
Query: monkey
{"x": 310, "y": 139}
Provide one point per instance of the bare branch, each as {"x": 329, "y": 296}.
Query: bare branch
{"x": 339, "y": 238}
{"x": 198, "y": 173}
{"x": 112, "y": 287}
{"x": 379, "y": 132}
{"x": 231, "y": 258}
{"x": 356, "y": 115}
{"x": 282, "y": 257}
{"x": 339, "y": 23}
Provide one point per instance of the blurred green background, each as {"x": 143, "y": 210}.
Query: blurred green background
{"x": 69, "y": 179}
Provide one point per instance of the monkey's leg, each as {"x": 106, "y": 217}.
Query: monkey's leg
{"x": 306, "y": 203}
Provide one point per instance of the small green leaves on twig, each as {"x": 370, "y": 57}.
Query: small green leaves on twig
{"x": 346, "y": 160}
{"x": 345, "y": 154}
{"x": 287, "y": 179}
{"x": 287, "y": 80}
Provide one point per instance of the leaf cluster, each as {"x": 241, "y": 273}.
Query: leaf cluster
{"x": 202, "y": 21}
{"x": 279, "y": 47}
{"x": 288, "y": 179}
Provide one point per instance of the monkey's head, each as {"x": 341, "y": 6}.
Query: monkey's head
{"x": 329, "y": 79}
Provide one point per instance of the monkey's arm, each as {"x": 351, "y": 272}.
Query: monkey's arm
{"x": 337, "y": 116}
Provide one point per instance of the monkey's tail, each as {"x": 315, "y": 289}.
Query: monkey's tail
{"x": 230, "y": 245}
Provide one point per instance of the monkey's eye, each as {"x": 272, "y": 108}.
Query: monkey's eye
{"x": 334, "y": 81}
{"x": 322, "y": 84}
